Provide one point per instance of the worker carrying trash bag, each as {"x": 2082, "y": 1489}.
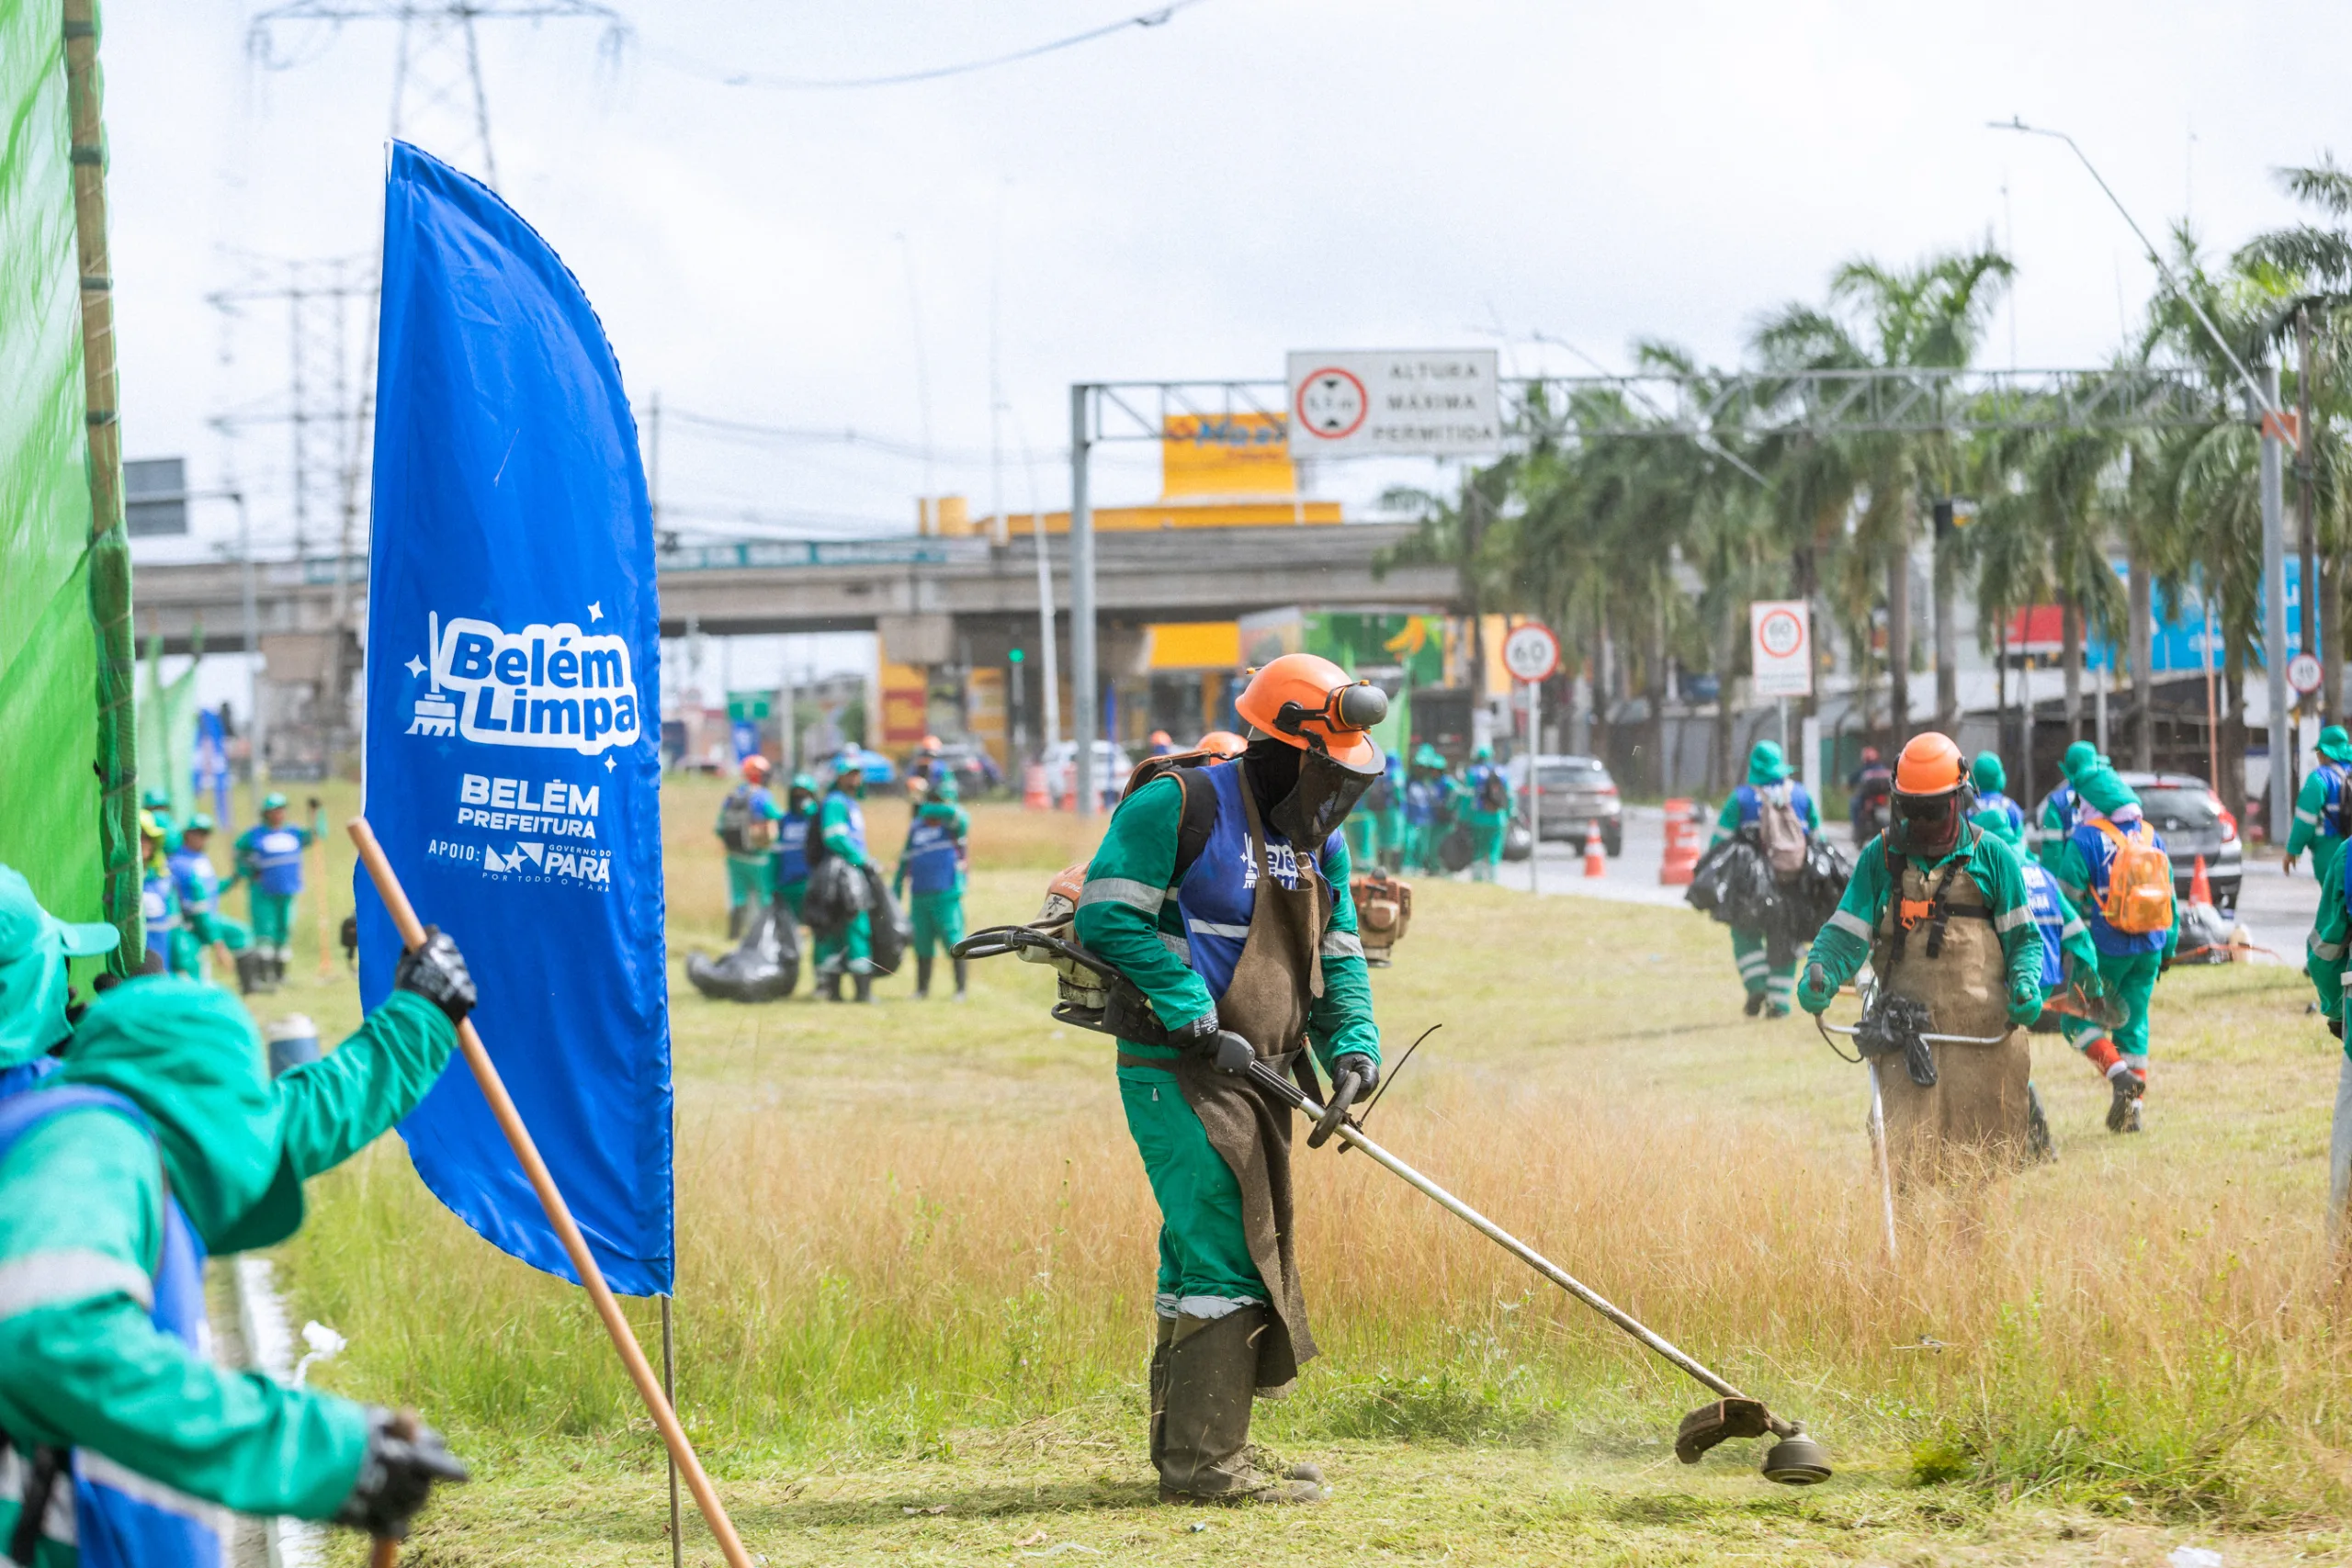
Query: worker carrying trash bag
{"x": 746, "y": 828}
{"x": 1938, "y": 908}
{"x": 1784, "y": 817}
{"x": 1486, "y": 809}
{"x": 1255, "y": 937}
{"x": 845, "y": 944}
{"x": 2116, "y": 876}
{"x": 2054, "y": 819}
{"x": 937, "y": 857}
{"x": 792, "y": 842}
{"x": 2321, "y": 806}
{"x": 148, "y": 1138}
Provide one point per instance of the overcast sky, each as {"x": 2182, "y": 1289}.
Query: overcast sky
{"x": 1186, "y": 200}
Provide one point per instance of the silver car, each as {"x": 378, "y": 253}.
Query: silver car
{"x": 1576, "y": 793}
{"x": 2185, "y": 809}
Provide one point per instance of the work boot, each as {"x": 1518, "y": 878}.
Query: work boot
{"x": 864, "y": 986}
{"x": 1755, "y": 1003}
{"x": 1205, "y": 1424}
{"x": 828, "y": 986}
{"x": 963, "y": 974}
{"x": 1163, "y": 1339}
{"x": 249, "y": 972}
{"x": 735, "y": 921}
{"x": 2123, "y": 1110}
{"x": 922, "y": 978}
{"x": 2040, "y": 1147}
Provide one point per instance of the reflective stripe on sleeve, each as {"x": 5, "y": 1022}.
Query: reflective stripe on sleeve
{"x": 2330, "y": 950}
{"x": 1341, "y": 945}
{"x": 1851, "y": 923}
{"x": 2010, "y": 920}
{"x": 1213, "y": 928}
{"x": 1134, "y": 895}
{"x": 68, "y": 1275}
{"x": 2074, "y": 927}
{"x": 1177, "y": 945}
{"x": 2309, "y": 818}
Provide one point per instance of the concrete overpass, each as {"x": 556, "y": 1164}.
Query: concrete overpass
{"x": 934, "y": 601}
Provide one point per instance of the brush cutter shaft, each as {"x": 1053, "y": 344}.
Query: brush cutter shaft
{"x": 1274, "y": 1081}
{"x": 1930, "y": 1039}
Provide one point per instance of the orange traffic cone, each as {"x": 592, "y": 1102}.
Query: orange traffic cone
{"x": 1596, "y": 862}
{"x": 2201, "y": 891}
{"x": 1035, "y": 796}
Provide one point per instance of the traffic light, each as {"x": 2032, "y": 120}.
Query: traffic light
{"x": 1015, "y": 657}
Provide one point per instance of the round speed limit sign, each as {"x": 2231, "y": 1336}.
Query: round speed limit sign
{"x": 2303, "y": 673}
{"x": 1531, "y": 652}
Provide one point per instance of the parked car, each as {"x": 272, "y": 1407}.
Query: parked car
{"x": 973, "y": 769}
{"x": 881, "y": 773}
{"x": 2193, "y": 821}
{"x": 1574, "y": 794}
{"x": 1111, "y": 770}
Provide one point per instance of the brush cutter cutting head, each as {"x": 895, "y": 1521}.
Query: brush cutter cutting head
{"x": 1795, "y": 1461}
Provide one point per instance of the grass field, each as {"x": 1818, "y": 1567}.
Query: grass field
{"x": 915, "y": 1271}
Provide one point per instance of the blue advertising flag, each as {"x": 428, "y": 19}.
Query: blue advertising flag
{"x": 513, "y": 744}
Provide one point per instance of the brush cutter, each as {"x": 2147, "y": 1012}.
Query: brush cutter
{"x": 1795, "y": 1460}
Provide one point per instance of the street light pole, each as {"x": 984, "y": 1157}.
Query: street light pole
{"x": 1083, "y": 719}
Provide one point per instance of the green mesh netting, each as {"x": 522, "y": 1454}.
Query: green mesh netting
{"x": 48, "y": 654}
{"x": 167, "y": 732}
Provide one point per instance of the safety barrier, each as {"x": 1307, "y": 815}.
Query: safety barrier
{"x": 1681, "y": 844}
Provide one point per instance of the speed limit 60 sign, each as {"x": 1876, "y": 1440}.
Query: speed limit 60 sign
{"x": 1780, "y": 637}
{"x": 1531, "y": 652}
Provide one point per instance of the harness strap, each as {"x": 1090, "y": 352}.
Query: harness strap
{"x": 44, "y": 1465}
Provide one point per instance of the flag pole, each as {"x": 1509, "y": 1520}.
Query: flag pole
{"x": 583, "y": 1262}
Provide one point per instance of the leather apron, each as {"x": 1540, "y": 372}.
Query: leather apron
{"x": 1276, "y": 979}
{"x": 1979, "y": 1102}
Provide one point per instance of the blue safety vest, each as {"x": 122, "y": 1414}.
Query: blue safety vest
{"x": 792, "y": 848}
{"x": 2098, "y": 855}
{"x": 275, "y": 855}
{"x": 1421, "y": 799}
{"x": 160, "y": 911}
{"x": 196, "y": 883}
{"x": 1994, "y": 800}
{"x": 1750, "y": 801}
{"x": 931, "y": 849}
{"x": 2048, "y": 907}
{"x": 122, "y": 1519}
{"x": 2331, "y": 812}
{"x": 2063, "y": 799}
{"x": 1219, "y": 891}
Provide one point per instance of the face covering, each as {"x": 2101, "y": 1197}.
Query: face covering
{"x": 1926, "y": 825}
{"x": 1312, "y": 791}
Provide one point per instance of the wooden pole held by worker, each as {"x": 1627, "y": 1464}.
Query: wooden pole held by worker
{"x": 510, "y": 1120}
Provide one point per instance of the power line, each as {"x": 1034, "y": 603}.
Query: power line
{"x": 731, "y": 78}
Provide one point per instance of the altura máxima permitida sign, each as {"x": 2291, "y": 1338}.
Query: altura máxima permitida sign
{"x": 511, "y": 771}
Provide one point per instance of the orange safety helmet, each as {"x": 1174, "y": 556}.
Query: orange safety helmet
{"x": 1929, "y": 764}
{"x": 1309, "y": 702}
{"x": 755, "y": 769}
{"x": 1222, "y": 743}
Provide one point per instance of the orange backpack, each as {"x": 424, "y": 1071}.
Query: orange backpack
{"x": 2138, "y": 901}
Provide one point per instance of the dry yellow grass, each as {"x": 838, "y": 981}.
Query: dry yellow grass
{"x": 912, "y": 1235}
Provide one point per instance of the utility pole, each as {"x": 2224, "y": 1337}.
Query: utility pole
{"x": 2274, "y": 611}
{"x": 1083, "y": 720}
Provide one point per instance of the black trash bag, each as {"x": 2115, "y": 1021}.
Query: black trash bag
{"x": 1453, "y": 851}
{"x": 1892, "y": 1025}
{"x": 763, "y": 967}
{"x": 836, "y": 893}
{"x": 1517, "y": 842}
{"x": 1732, "y": 882}
{"x": 892, "y": 932}
{"x": 1809, "y": 896}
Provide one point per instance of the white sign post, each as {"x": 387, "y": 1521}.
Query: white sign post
{"x": 1429, "y": 402}
{"x": 1531, "y": 654}
{"x": 1779, "y": 634}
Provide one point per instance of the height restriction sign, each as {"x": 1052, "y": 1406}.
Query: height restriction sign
{"x": 1781, "y": 648}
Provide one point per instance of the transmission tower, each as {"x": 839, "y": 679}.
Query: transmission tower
{"x": 438, "y": 100}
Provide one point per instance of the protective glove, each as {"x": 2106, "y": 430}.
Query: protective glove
{"x": 1366, "y": 1070}
{"x": 437, "y": 973}
{"x": 1815, "y": 991}
{"x": 404, "y": 1459}
{"x": 2025, "y": 1001}
{"x": 1199, "y": 1028}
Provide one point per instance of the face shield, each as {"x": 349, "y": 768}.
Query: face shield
{"x": 1325, "y": 790}
{"x": 1927, "y": 826}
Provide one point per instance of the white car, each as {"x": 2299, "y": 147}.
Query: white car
{"x": 1111, "y": 770}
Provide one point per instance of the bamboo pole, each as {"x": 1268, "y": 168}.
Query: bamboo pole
{"x": 509, "y": 1122}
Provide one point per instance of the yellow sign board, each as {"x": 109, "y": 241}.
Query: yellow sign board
{"x": 1240, "y": 454}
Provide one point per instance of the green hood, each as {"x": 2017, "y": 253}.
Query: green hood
{"x": 188, "y": 1056}
{"x": 1993, "y": 820}
{"x": 1987, "y": 774}
{"x": 2335, "y": 745}
{"x": 2105, "y": 793}
{"x": 34, "y": 946}
{"x": 1766, "y": 765}
{"x": 2080, "y": 759}
{"x": 1428, "y": 756}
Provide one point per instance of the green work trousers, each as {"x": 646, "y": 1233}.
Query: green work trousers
{"x": 938, "y": 920}
{"x": 749, "y": 878}
{"x": 1421, "y": 846}
{"x": 850, "y": 950}
{"x": 791, "y": 894}
{"x": 2131, "y": 981}
{"x": 1776, "y": 983}
{"x": 1205, "y": 1262}
{"x": 273, "y": 917}
{"x": 1361, "y": 832}
{"x": 1486, "y": 846}
{"x": 1392, "y": 839}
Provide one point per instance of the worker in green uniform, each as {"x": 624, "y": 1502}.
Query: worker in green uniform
{"x": 2126, "y": 897}
{"x": 1426, "y": 797}
{"x": 1384, "y": 804}
{"x": 2055, "y": 821}
{"x": 1485, "y": 807}
{"x": 157, "y": 803}
{"x": 1991, "y": 781}
{"x": 2324, "y": 962}
{"x": 2321, "y": 808}
{"x": 1939, "y": 908}
{"x": 1768, "y": 807}
{"x": 937, "y": 857}
{"x": 1249, "y": 947}
{"x": 746, "y": 828}
{"x": 147, "y": 1138}
{"x": 792, "y": 842}
{"x": 269, "y": 858}
{"x": 202, "y": 925}
{"x": 847, "y": 946}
